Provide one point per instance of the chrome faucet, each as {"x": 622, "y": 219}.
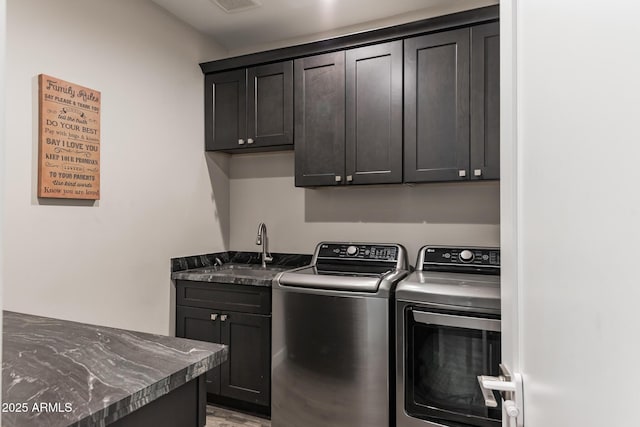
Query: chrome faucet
{"x": 263, "y": 240}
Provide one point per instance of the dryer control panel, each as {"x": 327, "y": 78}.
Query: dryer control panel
{"x": 448, "y": 258}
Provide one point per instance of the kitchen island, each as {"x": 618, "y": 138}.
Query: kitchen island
{"x": 62, "y": 373}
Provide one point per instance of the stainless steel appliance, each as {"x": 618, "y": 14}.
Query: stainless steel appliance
{"x": 447, "y": 334}
{"x": 331, "y": 345}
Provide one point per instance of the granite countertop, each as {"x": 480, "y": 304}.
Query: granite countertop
{"x": 232, "y": 274}
{"x": 91, "y": 375}
{"x": 239, "y": 268}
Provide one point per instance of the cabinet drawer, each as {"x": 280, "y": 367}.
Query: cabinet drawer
{"x": 221, "y": 296}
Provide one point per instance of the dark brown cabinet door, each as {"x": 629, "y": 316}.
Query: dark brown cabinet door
{"x": 436, "y": 100}
{"x": 270, "y": 105}
{"x": 485, "y": 101}
{"x": 199, "y": 324}
{"x": 374, "y": 114}
{"x": 246, "y": 375}
{"x": 319, "y": 125}
{"x": 250, "y": 109}
{"x": 225, "y": 110}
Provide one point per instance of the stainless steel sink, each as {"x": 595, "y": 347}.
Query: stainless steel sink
{"x": 256, "y": 267}
{"x": 252, "y": 270}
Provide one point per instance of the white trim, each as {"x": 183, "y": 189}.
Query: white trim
{"x": 509, "y": 182}
{"x": 3, "y": 39}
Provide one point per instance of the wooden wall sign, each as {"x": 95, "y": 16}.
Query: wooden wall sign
{"x": 69, "y": 140}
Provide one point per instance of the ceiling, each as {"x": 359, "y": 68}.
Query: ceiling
{"x": 278, "y": 20}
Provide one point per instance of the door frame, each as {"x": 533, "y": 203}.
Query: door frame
{"x": 510, "y": 191}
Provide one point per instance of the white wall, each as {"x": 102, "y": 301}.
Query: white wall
{"x": 262, "y": 190}
{"x": 108, "y": 262}
{"x": 452, "y": 6}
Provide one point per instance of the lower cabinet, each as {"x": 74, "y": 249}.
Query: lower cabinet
{"x": 169, "y": 410}
{"x": 246, "y": 375}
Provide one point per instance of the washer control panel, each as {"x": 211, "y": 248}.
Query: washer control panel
{"x": 358, "y": 251}
{"x": 460, "y": 257}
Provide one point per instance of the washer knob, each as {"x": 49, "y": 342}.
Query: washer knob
{"x": 466, "y": 256}
{"x": 352, "y": 250}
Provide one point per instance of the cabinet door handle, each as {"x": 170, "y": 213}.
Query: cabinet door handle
{"x": 250, "y": 141}
{"x": 462, "y": 173}
{"x": 223, "y": 317}
{"x": 477, "y": 172}
{"x": 214, "y": 316}
{"x": 241, "y": 141}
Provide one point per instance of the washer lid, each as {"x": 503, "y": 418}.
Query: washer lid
{"x": 310, "y": 278}
{"x": 453, "y": 289}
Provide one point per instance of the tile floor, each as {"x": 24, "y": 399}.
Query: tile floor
{"x": 220, "y": 417}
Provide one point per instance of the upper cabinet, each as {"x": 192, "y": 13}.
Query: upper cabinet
{"x": 348, "y": 109}
{"x": 225, "y": 109}
{"x": 436, "y": 107}
{"x": 418, "y": 102}
{"x": 451, "y": 105}
{"x": 374, "y": 114}
{"x": 485, "y": 101}
{"x": 319, "y": 112}
{"x": 250, "y": 109}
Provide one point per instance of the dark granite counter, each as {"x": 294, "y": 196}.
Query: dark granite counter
{"x": 63, "y": 373}
{"x": 233, "y": 274}
{"x": 239, "y": 268}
